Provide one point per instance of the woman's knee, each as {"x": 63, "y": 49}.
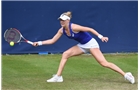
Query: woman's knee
{"x": 66, "y": 55}
{"x": 105, "y": 64}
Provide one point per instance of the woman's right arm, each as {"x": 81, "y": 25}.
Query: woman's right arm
{"x": 50, "y": 41}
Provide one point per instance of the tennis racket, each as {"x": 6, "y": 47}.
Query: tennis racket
{"x": 12, "y": 34}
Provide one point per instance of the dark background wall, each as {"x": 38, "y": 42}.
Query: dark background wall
{"x": 37, "y": 20}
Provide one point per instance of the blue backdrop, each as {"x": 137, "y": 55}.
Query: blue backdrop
{"x": 37, "y": 20}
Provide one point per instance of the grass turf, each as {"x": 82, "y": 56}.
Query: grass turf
{"x": 30, "y": 72}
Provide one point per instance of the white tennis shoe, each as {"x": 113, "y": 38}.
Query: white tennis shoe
{"x": 55, "y": 78}
{"x": 128, "y": 76}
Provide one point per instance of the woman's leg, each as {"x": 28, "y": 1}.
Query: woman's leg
{"x": 102, "y": 61}
{"x": 73, "y": 51}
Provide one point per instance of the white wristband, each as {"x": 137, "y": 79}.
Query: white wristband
{"x": 100, "y": 36}
{"x": 39, "y": 43}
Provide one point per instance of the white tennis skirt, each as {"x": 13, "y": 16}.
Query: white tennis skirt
{"x": 86, "y": 47}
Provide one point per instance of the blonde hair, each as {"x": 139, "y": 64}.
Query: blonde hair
{"x": 68, "y": 13}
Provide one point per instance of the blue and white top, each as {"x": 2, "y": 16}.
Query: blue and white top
{"x": 81, "y": 37}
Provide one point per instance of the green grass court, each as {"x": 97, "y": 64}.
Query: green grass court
{"x": 30, "y": 72}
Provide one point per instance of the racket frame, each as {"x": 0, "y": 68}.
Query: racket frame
{"x": 21, "y": 37}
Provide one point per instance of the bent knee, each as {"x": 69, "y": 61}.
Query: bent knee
{"x": 66, "y": 55}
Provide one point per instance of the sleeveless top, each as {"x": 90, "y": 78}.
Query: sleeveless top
{"x": 81, "y": 37}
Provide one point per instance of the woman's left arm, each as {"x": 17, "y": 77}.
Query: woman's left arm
{"x": 78, "y": 28}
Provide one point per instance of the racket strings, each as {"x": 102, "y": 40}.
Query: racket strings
{"x": 12, "y": 35}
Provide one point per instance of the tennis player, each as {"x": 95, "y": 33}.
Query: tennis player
{"x": 86, "y": 44}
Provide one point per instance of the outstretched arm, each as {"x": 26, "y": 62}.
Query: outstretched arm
{"x": 78, "y": 28}
{"x": 50, "y": 41}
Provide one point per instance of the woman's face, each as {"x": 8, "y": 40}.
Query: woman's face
{"x": 64, "y": 23}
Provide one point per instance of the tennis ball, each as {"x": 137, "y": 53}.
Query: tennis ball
{"x": 11, "y": 43}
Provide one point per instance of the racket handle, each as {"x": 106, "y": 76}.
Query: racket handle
{"x": 30, "y": 42}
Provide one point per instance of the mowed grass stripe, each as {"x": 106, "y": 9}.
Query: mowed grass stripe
{"x": 30, "y": 72}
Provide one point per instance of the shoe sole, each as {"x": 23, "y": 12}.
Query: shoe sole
{"x": 55, "y": 81}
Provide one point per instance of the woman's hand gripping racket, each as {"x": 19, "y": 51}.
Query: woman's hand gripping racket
{"x": 12, "y": 34}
